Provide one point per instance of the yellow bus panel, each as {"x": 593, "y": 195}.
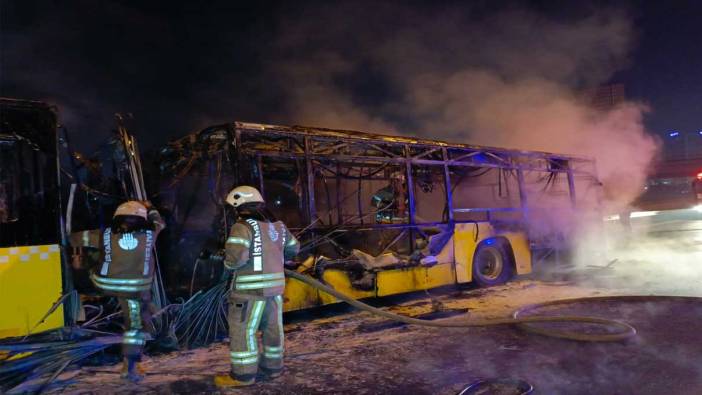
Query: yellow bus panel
{"x": 396, "y": 281}
{"x": 520, "y": 248}
{"x": 30, "y": 283}
{"x": 455, "y": 266}
{"x": 299, "y": 295}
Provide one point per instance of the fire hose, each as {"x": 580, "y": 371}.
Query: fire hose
{"x": 623, "y": 331}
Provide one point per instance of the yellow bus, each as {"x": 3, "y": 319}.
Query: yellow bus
{"x": 377, "y": 215}
{"x": 31, "y": 266}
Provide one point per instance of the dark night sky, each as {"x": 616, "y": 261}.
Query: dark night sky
{"x": 181, "y": 66}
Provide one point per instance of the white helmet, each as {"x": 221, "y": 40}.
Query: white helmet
{"x": 244, "y": 194}
{"x": 131, "y": 207}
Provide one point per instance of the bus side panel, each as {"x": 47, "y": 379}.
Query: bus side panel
{"x": 340, "y": 281}
{"x": 30, "y": 283}
{"x": 522, "y": 253}
{"x": 299, "y": 295}
{"x": 465, "y": 240}
{"x": 396, "y": 281}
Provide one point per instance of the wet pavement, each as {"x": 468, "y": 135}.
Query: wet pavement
{"x": 349, "y": 352}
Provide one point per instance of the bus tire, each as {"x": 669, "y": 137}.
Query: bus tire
{"x": 492, "y": 263}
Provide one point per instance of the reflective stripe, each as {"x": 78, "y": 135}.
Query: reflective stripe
{"x": 239, "y": 240}
{"x": 281, "y": 334}
{"x": 259, "y": 277}
{"x": 133, "y": 337}
{"x": 86, "y": 238}
{"x": 138, "y": 342}
{"x": 291, "y": 242}
{"x": 252, "y": 326}
{"x": 147, "y": 252}
{"x": 134, "y": 314}
{"x": 272, "y": 349}
{"x": 121, "y": 281}
{"x": 245, "y": 361}
{"x": 242, "y": 354}
{"x": 258, "y": 263}
{"x": 107, "y": 247}
{"x": 277, "y": 355}
{"x": 257, "y": 250}
{"x": 123, "y": 288}
{"x": 262, "y": 284}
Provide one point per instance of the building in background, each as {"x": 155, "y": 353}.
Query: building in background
{"x": 682, "y": 145}
{"x": 678, "y": 145}
{"x": 606, "y": 97}
{"x": 670, "y": 181}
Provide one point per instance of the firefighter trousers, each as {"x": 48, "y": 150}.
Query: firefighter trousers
{"x": 137, "y": 323}
{"x": 247, "y": 315}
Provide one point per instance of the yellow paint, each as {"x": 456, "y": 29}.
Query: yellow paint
{"x": 396, "y": 281}
{"x": 340, "y": 281}
{"x": 299, "y": 295}
{"x": 520, "y": 248}
{"x": 465, "y": 244}
{"x": 466, "y": 238}
{"x": 455, "y": 266}
{"x": 7, "y": 356}
{"x": 30, "y": 283}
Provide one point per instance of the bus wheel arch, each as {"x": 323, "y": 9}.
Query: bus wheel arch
{"x": 493, "y": 262}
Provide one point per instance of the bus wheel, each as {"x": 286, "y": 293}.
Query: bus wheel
{"x": 492, "y": 263}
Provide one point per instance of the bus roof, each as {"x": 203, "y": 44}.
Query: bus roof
{"x": 389, "y": 139}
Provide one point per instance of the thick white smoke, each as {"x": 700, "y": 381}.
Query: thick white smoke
{"x": 499, "y": 77}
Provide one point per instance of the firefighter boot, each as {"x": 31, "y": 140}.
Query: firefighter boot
{"x": 132, "y": 370}
{"x": 227, "y": 381}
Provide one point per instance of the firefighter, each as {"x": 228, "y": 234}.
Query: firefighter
{"x": 126, "y": 272}
{"x": 255, "y": 253}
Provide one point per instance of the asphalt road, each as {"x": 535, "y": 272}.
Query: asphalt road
{"x": 355, "y": 353}
{"x": 660, "y": 254}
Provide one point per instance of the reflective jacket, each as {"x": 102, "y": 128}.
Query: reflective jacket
{"x": 127, "y": 261}
{"x": 257, "y": 251}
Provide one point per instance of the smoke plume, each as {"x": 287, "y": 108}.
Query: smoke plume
{"x": 509, "y": 77}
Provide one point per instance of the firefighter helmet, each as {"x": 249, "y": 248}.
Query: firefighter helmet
{"x": 244, "y": 194}
{"x": 131, "y": 207}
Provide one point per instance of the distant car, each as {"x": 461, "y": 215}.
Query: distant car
{"x": 668, "y": 193}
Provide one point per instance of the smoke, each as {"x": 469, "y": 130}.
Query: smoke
{"x": 497, "y": 76}
{"x": 659, "y": 254}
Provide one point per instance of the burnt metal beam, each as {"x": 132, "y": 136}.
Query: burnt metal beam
{"x": 427, "y": 153}
{"x": 311, "y": 208}
{"x": 447, "y": 186}
{"x": 381, "y": 160}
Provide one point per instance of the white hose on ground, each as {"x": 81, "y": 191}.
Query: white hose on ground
{"x": 625, "y": 331}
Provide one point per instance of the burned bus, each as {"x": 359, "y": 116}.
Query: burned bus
{"x": 377, "y": 215}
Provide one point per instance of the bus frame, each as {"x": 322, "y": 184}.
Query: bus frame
{"x": 249, "y": 148}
